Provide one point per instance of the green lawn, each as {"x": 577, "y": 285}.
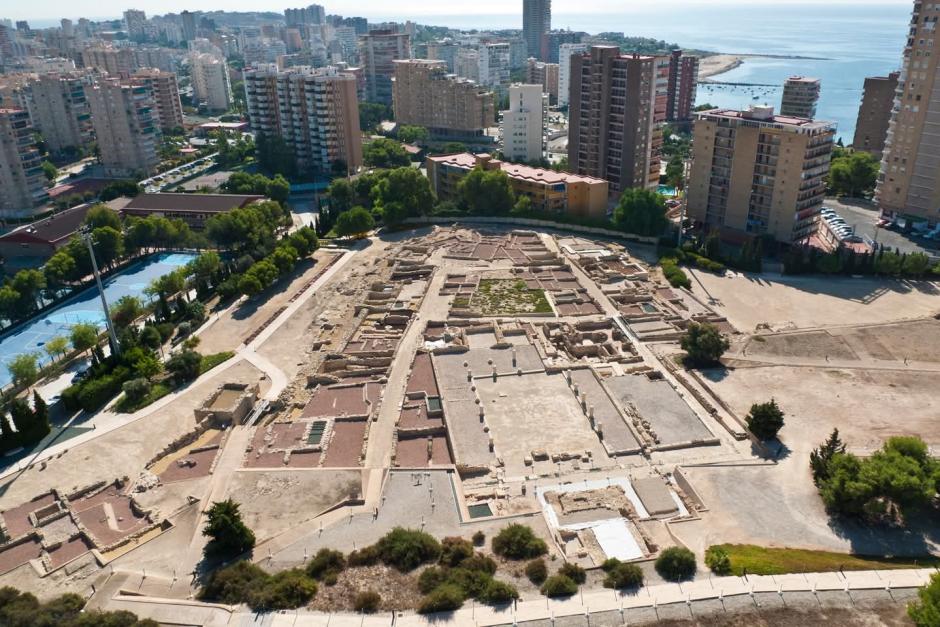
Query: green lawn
{"x": 760, "y": 560}
{"x": 211, "y": 361}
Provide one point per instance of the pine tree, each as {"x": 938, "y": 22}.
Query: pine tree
{"x": 7, "y": 435}
{"x": 820, "y": 458}
{"x": 22, "y": 416}
{"x": 40, "y": 416}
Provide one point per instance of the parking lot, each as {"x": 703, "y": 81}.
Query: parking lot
{"x": 863, "y": 218}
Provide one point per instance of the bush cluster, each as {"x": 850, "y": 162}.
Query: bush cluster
{"x": 621, "y": 575}
{"x": 518, "y": 542}
{"x": 244, "y": 582}
{"x": 22, "y": 609}
{"x": 676, "y": 564}
{"x": 461, "y": 574}
{"x": 674, "y": 274}
{"x": 718, "y": 560}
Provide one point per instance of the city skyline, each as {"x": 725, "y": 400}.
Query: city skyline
{"x": 409, "y": 9}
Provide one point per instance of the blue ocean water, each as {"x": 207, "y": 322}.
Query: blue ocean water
{"x": 855, "y": 39}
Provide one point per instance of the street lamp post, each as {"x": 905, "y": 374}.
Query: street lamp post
{"x": 86, "y": 236}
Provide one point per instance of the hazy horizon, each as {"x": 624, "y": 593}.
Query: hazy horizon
{"x": 375, "y": 10}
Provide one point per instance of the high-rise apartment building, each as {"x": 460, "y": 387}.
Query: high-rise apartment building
{"x": 683, "y": 83}
{"x": 467, "y": 64}
{"x": 425, "y": 94}
{"x": 378, "y": 51}
{"x": 444, "y": 51}
{"x": 552, "y": 42}
{"x": 613, "y": 130}
{"x": 800, "y": 95}
{"x": 544, "y": 74}
{"x": 909, "y": 182}
{"x": 494, "y": 67}
{"x": 114, "y": 61}
{"x": 125, "y": 127}
{"x": 759, "y": 174}
{"x": 59, "y": 109}
{"x": 536, "y": 23}
{"x": 211, "y": 84}
{"x": 523, "y": 122}
{"x": 315, "y": 111}
{"x": 165, "y": 91}
{"x": 565, "y": 52}
{"x": 314, "y": 14}
{"x": 22, "y": 182}
{"x": 188, "y": 24}
{"x": 871, "y": 128}
{"x": 136, "y": 23}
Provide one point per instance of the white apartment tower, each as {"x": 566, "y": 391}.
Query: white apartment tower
{"x": 211, "y": 83}
{"x": 523, "y": 122}
{"x": 565, "y": 51}
{"x": 59, "y": 109}
{"x": 123, "y": 117}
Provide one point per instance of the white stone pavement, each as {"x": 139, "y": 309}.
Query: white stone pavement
{"x": 172, "y": 611}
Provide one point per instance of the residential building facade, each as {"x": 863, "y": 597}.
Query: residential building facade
{"x": 125, "y": 127}
{"x": 874, "y": 114}
{"x": 755, "y": 173}
{"x": 22, "y": 182}
{"x": 549, "y": 191}
{"x": 211, "y": 83}
{"x": 613, "y": 130}
{"x": 378, "y": 51}
{"x": 565, "y": 52}
{"x": 544, "y": 74}
{"x": 523, "y": 122}
{"x": 425, "y": 94}
{"x": 536, "y": 23}
{"x": 800, "y": 95}
{"x": 59, "y": 109}
{"x": 315, "y": 111}
{"x": 168, "y": 110}
{"x": 683, "y": 84}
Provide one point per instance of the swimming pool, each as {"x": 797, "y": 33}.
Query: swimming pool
{"x": 84, "y": 307}
{"x": 666, "y": 190}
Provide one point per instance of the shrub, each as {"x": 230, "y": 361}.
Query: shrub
{"x": 330, "y": 579}
{"x": 233, "y": 584}
{"x": 558, "y": 586}
{"x": 455, "y": 550}
{"x": 704, "y": 344}
{"x": 406, "y": 549}
{"x": 136, "y": 389}
{"x": 283, "y": 591}
{"x": 498, "y": 593}
{"x": 623, "y": 576}
{"x": 445, "y": 598}
{"x": 367, "y": 602}
{"x": 480, "y": 562}
{"x": 765, "y": 420}
{"x": 518, "y": 542}
{"x": 366, "y": 556}
{"x": 471, "y": 582}
{"x": 676, "y": 563}
{"x": 479, "y": 538}
{"x": 573, "y": 572}
{"x": 718, "y": 561}
{"x": 324, "y": 562}
{"x": 925, "y": 610}
{"x": 431, "y": 578}
{"x": 610, "y": 563}
{"x": 537, "y": 571}
{"x": 674, "y": 274}
{"x": 96, "y": 392}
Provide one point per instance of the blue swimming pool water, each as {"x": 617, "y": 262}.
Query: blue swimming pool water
{"x": 84, "y": 307}
{"x": 666, "y": 190}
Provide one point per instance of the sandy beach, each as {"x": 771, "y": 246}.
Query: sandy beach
{"x": 718, "y": 64}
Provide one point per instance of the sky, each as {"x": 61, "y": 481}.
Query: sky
{"x": 376, "y": 9}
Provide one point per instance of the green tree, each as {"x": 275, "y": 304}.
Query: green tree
{"x": 820, "y": 458}
{"x": 411, "y": 134}
{"x": 184, "y": 365}
{"x": 356, "y": 222}
{"x": 765, "y": 420}
{"x": 23, "y": 418}
{"x": 641, "y": 212}
{"x": 925, "y": 610}
{"x": 136, "y": 389}
{"x": 109, "y": 245}
{"x": 371, "y": 114}
{"x": 408, "y": 188}
{"x": 704, "y": 343}
{"x": 50, "y": 171}
{"x": 148, "y": 366}
{"x": 915, "y": 264}
{"x": 523, "y": 206}
{"x": 228, "y": 535}
{"x": 341, "y": 195}
{"x": 675, "y": 172}
{"x": 676, "y": 563}
{"x": 385, "y": 153}
{"x": 717, "y": 559}
{"x": 84, "y": 336}
{"x": 518, "y": 542}
{"x": 485, "y": 192}
{"x": 102, "y": 215}
{"x": 29, "y": 285}
{"x": 126, "y": 310}
{"x": 852, "y": 173}
{"x": 59, "y": 269}
{"x": 284, "y": 258}
{"x": 275, "y": 156}
{"x": 56, "y": 346}
{"x": 40, "y": 417}
{"x": 24, "y": 369}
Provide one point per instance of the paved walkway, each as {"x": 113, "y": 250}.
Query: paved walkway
{"x": 620, "y": 607}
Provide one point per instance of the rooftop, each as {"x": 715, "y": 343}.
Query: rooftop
{"x": 205, "y": 203}
{"x": 515, "y": 170}
{"x": 765, "y": 115}
{"x": 49, "y": 230}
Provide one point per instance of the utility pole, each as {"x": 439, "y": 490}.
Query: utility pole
{"x": 86, "y": 236}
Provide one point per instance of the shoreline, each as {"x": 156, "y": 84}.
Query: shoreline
{"x": 719, "y": 63}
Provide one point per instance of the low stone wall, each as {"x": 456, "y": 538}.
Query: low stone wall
{"x": 545, "y": 224}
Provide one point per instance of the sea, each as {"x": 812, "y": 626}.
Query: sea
{"x": 846, "y": 42}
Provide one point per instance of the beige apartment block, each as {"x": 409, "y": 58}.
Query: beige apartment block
{"x": 800, "y": 95}
{"x": 756, "y": 173}
{"x": 168, "y": 110}
{"x": 125, "y": 126}
{"x": 544, "y": 74}
{"x": 378, "y": 51}
{"x": 874, "y": 115}
{"x": 22, "y": 182}
{"x": 211, "y": 83}
{"x": 425, "y": 94}
{"x": 59, "y": 109}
